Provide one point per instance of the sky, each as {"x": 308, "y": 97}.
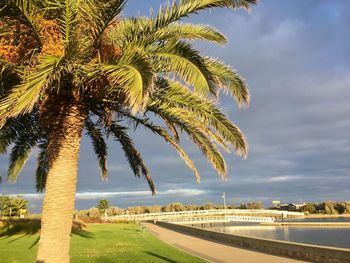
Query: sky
{"x": 295, "y": 56}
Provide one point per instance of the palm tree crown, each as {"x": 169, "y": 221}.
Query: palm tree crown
{"x": 119, "y": 69}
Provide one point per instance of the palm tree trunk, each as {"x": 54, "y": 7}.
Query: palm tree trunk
{"x": 64, "y": 127}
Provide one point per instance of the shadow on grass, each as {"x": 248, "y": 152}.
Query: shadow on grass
{"x": 165, "y": 259}
{"x": 25, "y": 227}
{"x": 30, "y": 227}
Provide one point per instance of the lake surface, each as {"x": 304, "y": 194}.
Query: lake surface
{"x": 324, "y": 236}
{"x": 329, "y": 219}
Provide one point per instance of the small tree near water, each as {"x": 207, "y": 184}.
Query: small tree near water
{"x": 103, "y": 206}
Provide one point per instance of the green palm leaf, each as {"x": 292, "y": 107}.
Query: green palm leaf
{"x": 227, "y": 79}
{"x": 178, "y": 31}
{"x": 133, "y": 76}
{"x": 132, "y": 154}
{"x": 23, "y": 97}
{"x": 200, "y": 134}
{"x": 138, "y": 31}
{"x": 68, "y": 20}
{"x": 168, "y": 138}
{"x": 175, "y": 11}
{"x": 99, "y": 144}
{"x": 101, "y": 14}
{"x": 175, "y": 94}
{"x": 42, "y": 167}
{"x": 180, "y": 59}
{"x": 20, "y": 154}
{"x": 8, "y": 134}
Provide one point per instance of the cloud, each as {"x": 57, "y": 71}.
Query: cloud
{"x": 284, "y": 178}
{"x": 99, "y": 195}
{"x": 184, "y": 192}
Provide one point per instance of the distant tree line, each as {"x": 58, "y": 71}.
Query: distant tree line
{"x": 103, "y": 208}
{"x": 327, "y": 207}
{"x": 12, "y": 206}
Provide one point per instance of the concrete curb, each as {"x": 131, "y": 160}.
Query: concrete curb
{"x": 299, "y": 251}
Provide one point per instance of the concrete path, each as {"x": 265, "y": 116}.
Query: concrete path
{"x": 211, "y": 251}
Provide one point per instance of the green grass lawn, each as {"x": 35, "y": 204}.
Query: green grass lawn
{"x": 102, "y": 244}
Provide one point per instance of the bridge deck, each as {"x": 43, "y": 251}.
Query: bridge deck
{"x": 208, "y": 215}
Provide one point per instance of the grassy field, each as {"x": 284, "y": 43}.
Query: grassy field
{"x": 102, "y": 244}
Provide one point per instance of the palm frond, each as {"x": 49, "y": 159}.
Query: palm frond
{"x": 138, "y": 31}
{"x": 176, "y": 95}
{"x": 132, "y": 76}
{"x": 132, "y": 154}
{"x": 131, "y": 32}
{"x": 209, "y": 150}
{"x": 168, "y": 138}
{"x": 200, "y": 134}
{"x": 178, "y": 31}
{"x": 26, "y": 124}
{"x": 180, "y": 59}
{"x": 227, "y": 79}
{"x": 22, "y": 98}
{"x": 7, "y": 136}
{"x": 20, "y": 153}
{"x": 174, "y": 11}
{"x": 42, "y": 167}
{"x": 101, "y": 14}
{"x": 172, "y": 128}
{"x": 67, "y": 20}
{"x": 100, "y": 147}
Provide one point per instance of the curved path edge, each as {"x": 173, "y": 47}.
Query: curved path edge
{"x": 212, "y": 251}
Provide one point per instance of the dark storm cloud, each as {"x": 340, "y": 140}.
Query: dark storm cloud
{"x": 295, "y": 56}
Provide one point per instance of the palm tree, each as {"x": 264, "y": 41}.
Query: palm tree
{"x": 4, "y": 203}
{"x": 68, "y": 66}
{"x": 103, "y": 206}
{"x": 11, "y": 206}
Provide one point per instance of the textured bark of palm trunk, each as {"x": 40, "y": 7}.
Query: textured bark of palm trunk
{"x": 65, "y": 128}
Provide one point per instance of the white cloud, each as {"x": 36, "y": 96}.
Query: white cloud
{"x": 184, "y": 192}
{"x": 98, "y": 195}
{"x": 284, "y": 178}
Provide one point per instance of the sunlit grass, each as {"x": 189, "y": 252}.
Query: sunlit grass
{"x": 105, "y": 243}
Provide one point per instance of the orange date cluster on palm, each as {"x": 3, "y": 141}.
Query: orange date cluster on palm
{"x": 15, "y": 42}
{"x": 18, "y": 44}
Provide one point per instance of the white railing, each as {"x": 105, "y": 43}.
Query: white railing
{"x": 211, "y": 219}
{"x": 172, "y": 216}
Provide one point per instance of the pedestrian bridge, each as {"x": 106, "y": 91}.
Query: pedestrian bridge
{"x": 210, "y": 216}
{"x": 222, "y": 219}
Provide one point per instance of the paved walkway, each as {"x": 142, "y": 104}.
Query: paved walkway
{"x": 211, "y": 251}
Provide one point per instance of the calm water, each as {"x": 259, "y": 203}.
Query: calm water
{"x": 330, "y": 219}
{"x": 324, "y": 236}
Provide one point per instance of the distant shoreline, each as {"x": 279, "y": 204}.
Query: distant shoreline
{"x": 326, "y": 216}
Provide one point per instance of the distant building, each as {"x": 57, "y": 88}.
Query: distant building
{"x": 276, "y": 204}
{"x": 291, "y": 207}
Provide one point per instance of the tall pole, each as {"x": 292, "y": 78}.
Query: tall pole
{"x": 224, "y": 197}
